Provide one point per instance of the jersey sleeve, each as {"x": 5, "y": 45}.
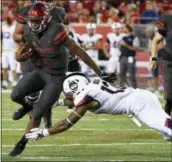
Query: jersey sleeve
{"x": 60, "y": 34}
{"x": 81, "y": 100}
{"x": 20, "y": 18}
{"x": 58, "y": 14}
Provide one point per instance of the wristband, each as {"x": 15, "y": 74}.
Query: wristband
{"x": 153, "y": 59}
{"x": 45, "y": 132}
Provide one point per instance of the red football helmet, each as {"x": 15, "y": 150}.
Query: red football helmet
{"x": 38, "y": 17}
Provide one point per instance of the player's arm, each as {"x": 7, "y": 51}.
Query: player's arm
{"x": 63, "y": 125}
{"x": 123, "y": 43}
{"x": 74, "y": 48}
{"x": 156, "y": 40}
{"x": 18, "y": 33}
{"x": 154, "y": 50}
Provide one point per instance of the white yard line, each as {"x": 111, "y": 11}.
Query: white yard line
{"x": 84, "y": 119}
{"x": 6, "y": 91}
{"x": 84, "y": 129}
{"x": 98, "y": 144}
{"x": 38, "y": 157}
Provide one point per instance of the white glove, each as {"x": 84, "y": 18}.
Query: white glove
{"x": 36, "y": 134}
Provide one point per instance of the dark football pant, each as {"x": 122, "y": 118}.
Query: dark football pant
{"x": 51, "y": 86}
{"x": 74, "y": 66}
{"x": 166, "y": 73}
{"x": 29, "y": 66}
{"x": 125, "y": 67}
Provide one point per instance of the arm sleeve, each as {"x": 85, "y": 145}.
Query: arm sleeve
{"x": 20, "y": 18}
{"x": 60, "y": 34}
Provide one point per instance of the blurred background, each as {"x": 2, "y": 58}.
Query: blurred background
{"x": 141, "y": 15}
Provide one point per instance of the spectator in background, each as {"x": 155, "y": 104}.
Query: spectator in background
{"x": 113, "y": 40}
{"x": 129, "y": 46}
{"x": 92, "y": 41}
{"x": 113, "y": 15}
{"x": 149, "y": 15}
{"x": 8, "y": 54}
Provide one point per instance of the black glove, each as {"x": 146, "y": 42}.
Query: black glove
{"x": 111, "y": 78}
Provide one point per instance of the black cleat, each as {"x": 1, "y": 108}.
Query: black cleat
{"x": 18, "y": 149}
{"x": 21, "y": 112}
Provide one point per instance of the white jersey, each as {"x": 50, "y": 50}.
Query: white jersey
{"x": 114, "y": 44}
{"x": 8, "y": 44}
{"x": 89, "y": 41}
{"x": 112, "y": 99}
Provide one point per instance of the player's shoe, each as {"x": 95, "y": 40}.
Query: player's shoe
{"x": 166, "y": 137}
{"x": 18, "y": 149}
{"x": 21, "y": 112}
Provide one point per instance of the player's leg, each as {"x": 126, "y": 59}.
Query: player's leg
{"x": 28, "y": 84}
{"x": 148, "y": 109}
{"x": 5, "y": 70}
{"x": 53, "y": 86}
{"x": 166, "y": 71}
{"x": 47, "y": 119}
{"x": 123, "y": 71}
{"x": 46, "y": 101}
{"x": 13, "y": 67}
{"x": 132, "y": 73}
{"x": 21, "y": 144}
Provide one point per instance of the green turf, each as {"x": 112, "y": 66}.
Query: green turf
{"x": 94, "y": 138}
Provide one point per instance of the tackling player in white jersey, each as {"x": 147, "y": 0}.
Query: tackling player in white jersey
{"x": 92, "y": 42}
{"x": 99, "y": 96}
{"x": 8, "y": 54}
{"x": 113, "y": 40}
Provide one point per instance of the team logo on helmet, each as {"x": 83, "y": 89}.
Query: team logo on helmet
{"x": 73, "y": 85}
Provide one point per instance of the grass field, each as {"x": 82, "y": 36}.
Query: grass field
{"x": 94, "y": 138}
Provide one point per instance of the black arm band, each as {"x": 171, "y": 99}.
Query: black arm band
{"x": 154, "y": 59}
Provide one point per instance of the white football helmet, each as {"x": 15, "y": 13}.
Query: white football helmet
{"x": 74, "y": 84}
{"x": 116, "y": 25}
{"x": 91, "y": 26}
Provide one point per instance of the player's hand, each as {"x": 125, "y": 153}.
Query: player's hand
{"x": 152, "y": 65}
{"x": 36, "y": 134}
{"x": 22, "y": 53}
{"x": 111, "y": 78}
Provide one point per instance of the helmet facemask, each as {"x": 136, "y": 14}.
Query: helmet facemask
{"x": 37, "y": 24}
{"x": 38, "y": 17}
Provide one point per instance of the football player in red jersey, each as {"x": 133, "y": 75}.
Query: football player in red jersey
{"x": 51, "y": 42}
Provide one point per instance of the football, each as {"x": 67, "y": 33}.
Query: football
{"x": 26, "y": 48}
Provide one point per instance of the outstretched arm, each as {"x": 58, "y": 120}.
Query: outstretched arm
{"x": 74, "y": 48}
{"x": 63, "y": 125}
